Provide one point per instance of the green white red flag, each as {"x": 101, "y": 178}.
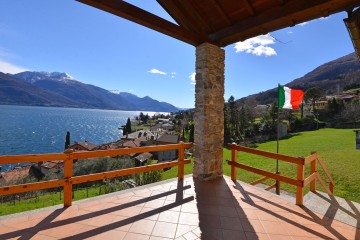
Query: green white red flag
{"x": 289, "y": 98}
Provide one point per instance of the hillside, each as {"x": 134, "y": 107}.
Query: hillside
{"x": 333, "y": 77}
{"x": 60, "y": 89}
{"x": 18, "y": 92}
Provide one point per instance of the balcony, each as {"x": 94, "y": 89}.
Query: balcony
{"x": 188, "y": 209}
{"x": 180, "y": 208}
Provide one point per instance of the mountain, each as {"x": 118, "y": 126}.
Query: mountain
{"x": 60, "y": 89}
{"x": 333, "y": 77}
{"x": 16, "y": 91}
{"x": 33, "y": 77}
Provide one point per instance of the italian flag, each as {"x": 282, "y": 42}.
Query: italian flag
{"x": 289, "y": 98}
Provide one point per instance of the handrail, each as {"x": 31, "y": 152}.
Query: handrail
{"x": 32, "y": 158}
{"x": 285, "y": 158}
{"x": 69, "y": 156}
{"x": 300, "y": 182}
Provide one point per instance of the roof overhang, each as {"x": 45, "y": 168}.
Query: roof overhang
{"x": 353, "y": 25}
{"x": 223, "y": 22}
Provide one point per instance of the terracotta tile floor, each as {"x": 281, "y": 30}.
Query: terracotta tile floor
{"x": 187, "y": 210}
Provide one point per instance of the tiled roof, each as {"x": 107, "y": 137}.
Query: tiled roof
{"x": 13, "y": 175}
{"x": 143, "y": 157}
{"x": 167, "y": 138}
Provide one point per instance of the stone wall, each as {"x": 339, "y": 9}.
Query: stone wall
{"x": 209, "y": 112}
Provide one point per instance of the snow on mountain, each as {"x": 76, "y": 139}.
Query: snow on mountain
{"x": 115, "y": 91}
{"x": 33, "y": 77}
{"x": 72, "y": 92}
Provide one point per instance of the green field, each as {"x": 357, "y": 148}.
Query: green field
{"x": 335, "y": 146}
{"x": 46, "y": 200}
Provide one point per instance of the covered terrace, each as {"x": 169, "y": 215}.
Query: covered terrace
{"x": 211, "y": 25}
{"x": 206, "y": 204}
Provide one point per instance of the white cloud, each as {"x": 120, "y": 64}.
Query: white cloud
{"x": 303, "y": 23}
{"x": 156, "y": 71}
{"x": 257, "y": 45}
{"x": 290, "y": 32}
{"x": 264, "y": 50}
{"x": 192, "y": 78}
{"x": 7, "y": 67}
{"x": 173, "y": 74}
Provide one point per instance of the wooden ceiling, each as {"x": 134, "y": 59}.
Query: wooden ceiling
{"x": 223, "y": 22}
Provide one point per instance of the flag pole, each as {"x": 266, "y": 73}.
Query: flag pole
{"x": 277, "y": 144}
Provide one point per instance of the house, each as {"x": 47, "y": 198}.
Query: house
{"x": 167, "y": 155}
{"x": 141, "y": 159}
{"x": 52, "y": 166}
{"x": 163, "y": 120}
{"x": 130, "y": 143}
{"x": 83, "y": 146}
{"x": 167, "y": 126}
{"x": 14, "y": 175}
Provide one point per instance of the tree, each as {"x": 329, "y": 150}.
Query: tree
{"x": 335, "y": 106}
{"x": 230, "y": 120}
{"x": 141, "y": 116}
{"x": 352, "y": 112}
{"x": 128, "y": 127}
{"x": 192, "y": 132}
{"x": 67, "y": 140}
{"x": 312, "y": 95}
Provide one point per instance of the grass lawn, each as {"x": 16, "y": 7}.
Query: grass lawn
{"x": 47, "y": 200}
{"x": 335, "y": 146}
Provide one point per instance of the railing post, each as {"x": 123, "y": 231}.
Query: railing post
{"x": 68, "y": 172}
{"x": 300, "y": 189}
{"x": 181, "y": 161}
{"x": 233, "y": 159}
{"x": 313, "y": 170}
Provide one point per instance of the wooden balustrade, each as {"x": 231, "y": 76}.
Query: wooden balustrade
{"x": 69, "y": 156}
{"x": 300, "y": 182}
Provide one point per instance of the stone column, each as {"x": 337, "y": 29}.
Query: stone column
{"x": 209, "y": 112}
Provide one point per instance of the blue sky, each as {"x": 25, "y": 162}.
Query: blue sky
{"x": 98, "y": 48}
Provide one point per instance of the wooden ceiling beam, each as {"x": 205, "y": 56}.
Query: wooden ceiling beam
{"x": 281, "y": 2}
{"x": 221, "y": 11}
{"x": 172, "y": 9}
{"x": 191, "y": 8}
{"x": 186, "y": 14}
{"x": 132, "y": 13}
{"x": 295, "y": 11}
{"x": 249, "y": 8}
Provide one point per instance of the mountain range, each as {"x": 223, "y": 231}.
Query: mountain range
{"x": 333, "y": 77}
{"x": 62, "y": 90}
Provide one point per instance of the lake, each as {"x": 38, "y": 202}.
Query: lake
{"x": 31, "y": 130}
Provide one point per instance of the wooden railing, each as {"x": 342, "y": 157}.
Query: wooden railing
{"x": 300, "y": 182}
{"x": 69, "y": 156}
